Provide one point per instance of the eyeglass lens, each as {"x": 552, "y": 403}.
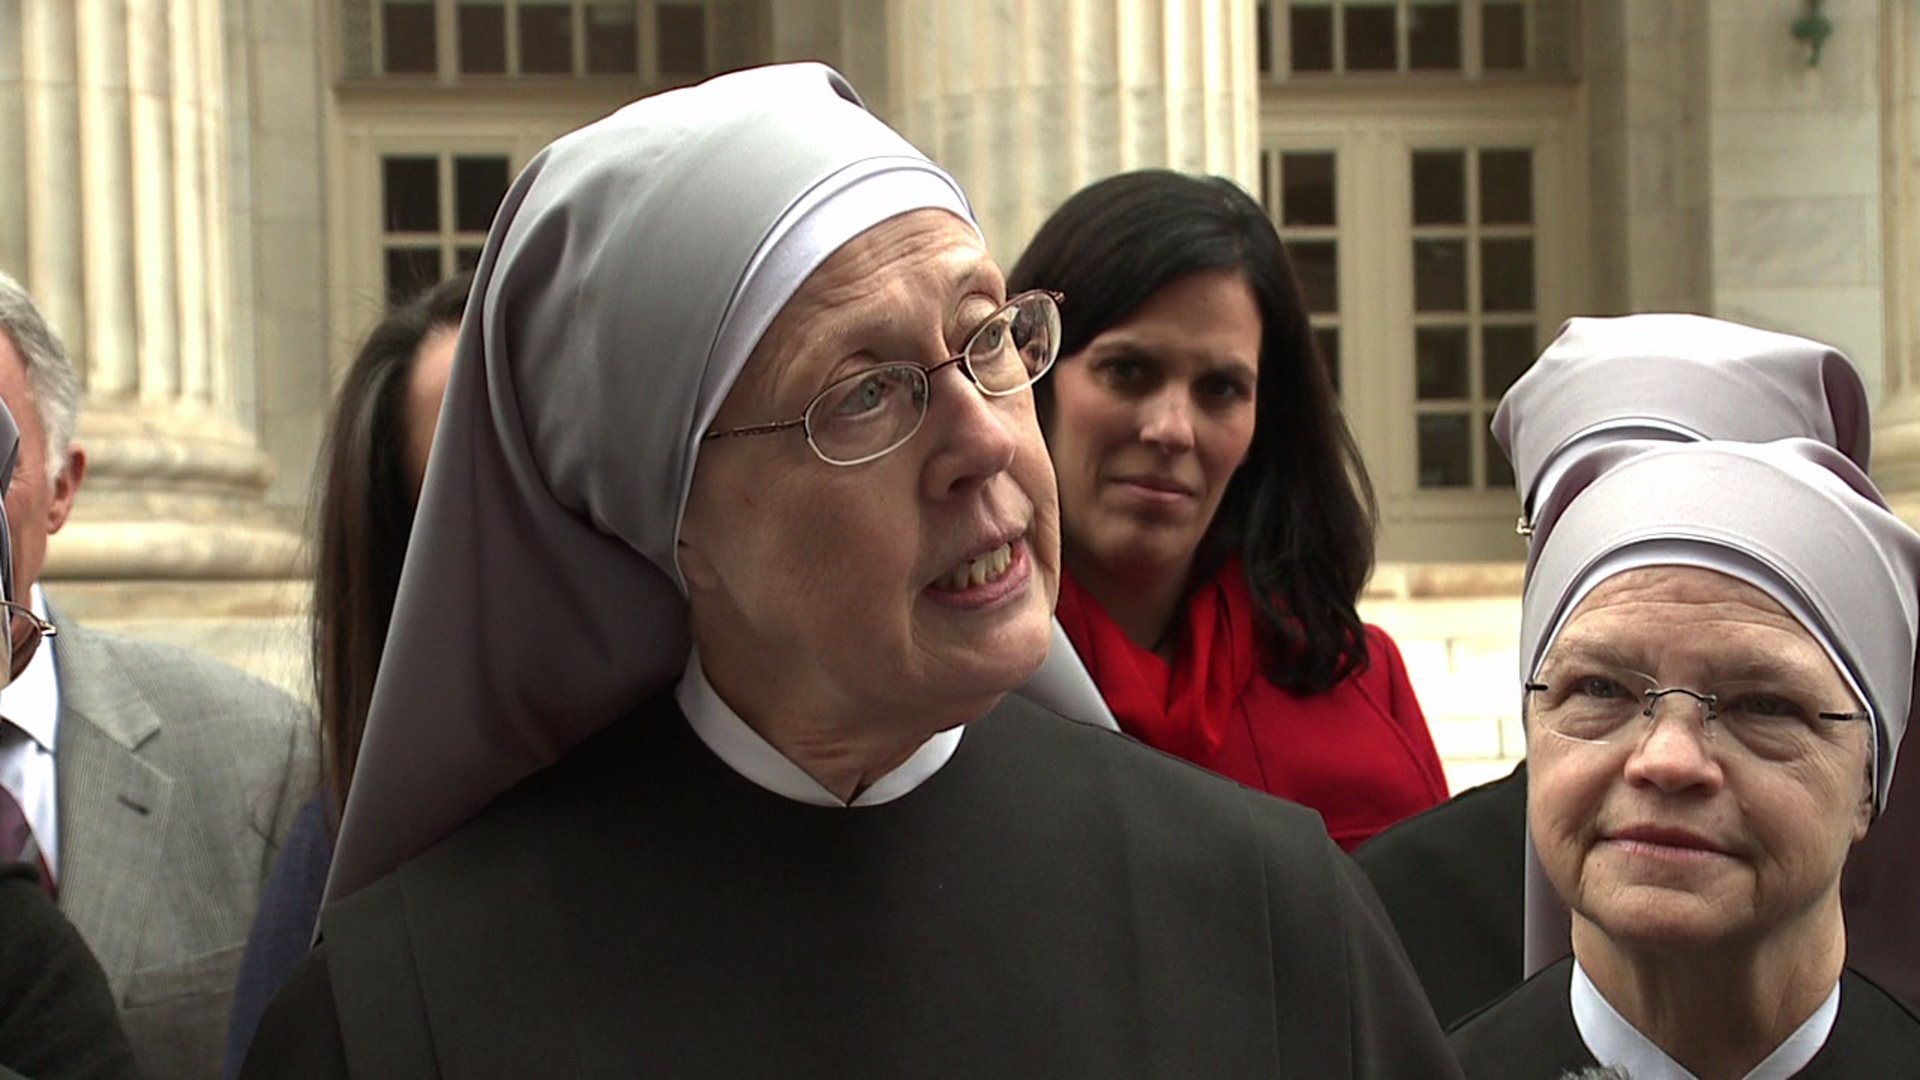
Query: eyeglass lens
{"x": 23, "y": 634}
{"x": 863, "y": 416}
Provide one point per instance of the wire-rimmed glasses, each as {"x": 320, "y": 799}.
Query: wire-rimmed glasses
{"x": 25, "y": 630}
{"x": 871, "y": 413}
{"x": 1603, "y": 705}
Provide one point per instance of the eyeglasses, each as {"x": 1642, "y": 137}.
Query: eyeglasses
{"x": 1612, "y": 706}
{"x": 25, "y": 630}
{"x": 872, "y": 413}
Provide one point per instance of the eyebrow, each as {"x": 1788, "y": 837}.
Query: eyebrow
{"x": 1792, "y": 672}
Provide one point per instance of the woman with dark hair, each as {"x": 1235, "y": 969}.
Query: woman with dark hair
{"x": 1218, "y": 522}
{"x": 372, "y": 465}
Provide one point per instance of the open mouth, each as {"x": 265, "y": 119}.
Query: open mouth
{"x": 983, "y": 569}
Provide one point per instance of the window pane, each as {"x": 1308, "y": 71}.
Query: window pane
{"x": 1433, "y": 38}
{"x": 406, "y": 31}
{"x": 1439, "y": 187}
{"x": 465, "y": 259}
{"x": 1506, "y": 187}
{"x": 1326, "y": 341}
{"x": 682, "y": 32}
{"x": 1440, "y": 363}
{"x": 1439, "y": 275}
{"x": 1446, "y": 451}
{"x": 1499, "y": 472}
{"x": 1312, "y": 31}
{"x": 1504, "y": 25}
{"x": 1506, "y": 275}
{"x": 1370, "y": 35}
{"x": 546, "y": 37}
{"x": 1263, "y": 35}
{"x": 613, "y": 46}
{"x": 483, "y": 37}
{"x": 1267, "y": 196}
{"x": 1505, "y": 354}
{"x": 1316, "y": 264}
{"x": 1309, "y": 188}
{"x": 479, "y": 183}
{"x": 411, "y": 194}
{"x": 409, "y": 272}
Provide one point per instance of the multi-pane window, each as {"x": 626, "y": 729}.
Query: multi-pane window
{"x": 1299, "y": 189}
{"x": 1475, "y": 317}
{"x": 668, "y": 40}
{"x": 435, "y": 212}
{"x": 1463, "y": 37}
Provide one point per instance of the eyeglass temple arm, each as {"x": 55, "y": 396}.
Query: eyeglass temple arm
{"x": 753, "y": 429}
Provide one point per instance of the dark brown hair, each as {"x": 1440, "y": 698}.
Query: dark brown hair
{"x": 1300, "y": 511}
{"x": 365, "y": 511}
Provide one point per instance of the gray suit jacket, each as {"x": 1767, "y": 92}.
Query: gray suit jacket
{"x": 177, "y": 776}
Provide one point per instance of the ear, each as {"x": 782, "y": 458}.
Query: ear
{"x": 1863, "y": 813}
{"x": 65, "y": 486}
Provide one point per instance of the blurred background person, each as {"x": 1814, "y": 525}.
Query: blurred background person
{"x": 157, "y": 782}
{"x": 1717, "y": 648}
{"x": 1454, "y": 878}
{"x": 739, "y": 373}
{"x": 372, "y": 465}
{"x": 1217, "y": 521}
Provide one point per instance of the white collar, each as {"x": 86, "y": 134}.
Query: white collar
{"x": 32, "y": 701}
{"x": 745, "y": 752}
{"x": 1613, "y": 1041}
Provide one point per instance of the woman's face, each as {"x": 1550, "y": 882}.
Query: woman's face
{"x": 835, "y": 585}
{"x": 1150, "y": 421}
{"x": 426, "y": 388}
{"x": 1670, "y": 835}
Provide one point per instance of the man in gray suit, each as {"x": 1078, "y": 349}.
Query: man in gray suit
{"x": 156, "y": 782}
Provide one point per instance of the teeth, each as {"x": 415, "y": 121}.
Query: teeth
{"x": 979, "y": 571}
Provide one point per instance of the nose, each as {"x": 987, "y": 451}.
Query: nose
{"x": 974, "y": 436}
{"x": 1167, "y": 424}
{"x": 1676, "y": 749}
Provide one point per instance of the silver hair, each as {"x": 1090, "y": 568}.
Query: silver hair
{"x": 50, "y": 376}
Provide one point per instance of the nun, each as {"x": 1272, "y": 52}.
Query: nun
{"x": 1717, "y": 652}
{"x": 1454, "y": 879}
{"x": 718, "y": 732}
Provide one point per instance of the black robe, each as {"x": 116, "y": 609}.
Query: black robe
{"x": 1453, "y": 881}
{"x": 1056, "y": 901}
{"x": 1530, "y": 1035}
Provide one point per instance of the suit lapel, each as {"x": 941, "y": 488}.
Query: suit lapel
{"x": 113, "y": 804}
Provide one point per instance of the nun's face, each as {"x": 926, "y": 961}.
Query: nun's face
{"x": 1664, "y": 836}
{"x": 911, "y": 590}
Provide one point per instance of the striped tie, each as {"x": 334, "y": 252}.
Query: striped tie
{"x": 16, "y": 839}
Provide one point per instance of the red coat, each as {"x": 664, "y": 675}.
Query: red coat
{"x": 1360, "y": 753}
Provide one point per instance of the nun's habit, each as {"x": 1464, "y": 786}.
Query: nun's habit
{"x": 1830, "y": 553}
{"x": 1048, "y": 898}
{"x": 1454, "y": 879}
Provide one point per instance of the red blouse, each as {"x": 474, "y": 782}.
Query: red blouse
{"x": 1359, "y": 754}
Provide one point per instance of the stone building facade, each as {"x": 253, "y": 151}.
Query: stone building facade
{"x": 215, "y": 198}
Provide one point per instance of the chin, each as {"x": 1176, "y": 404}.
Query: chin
{"x": 1663, "y": 922}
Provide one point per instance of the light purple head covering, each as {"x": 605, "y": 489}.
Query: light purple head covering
{"x": 1676, "y": 378}
{"x": 1795, "y": 519}
{"x": 630, "y": 271}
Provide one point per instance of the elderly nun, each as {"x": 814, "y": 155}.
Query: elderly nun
{"x": 1454, "y": 879}
{"x": 1717, "y": 648}
{"x": 738, "y": 374}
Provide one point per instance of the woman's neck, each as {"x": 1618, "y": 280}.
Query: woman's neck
{"x": 1142, "y": 603}
{"x": 1719, "y": 1012}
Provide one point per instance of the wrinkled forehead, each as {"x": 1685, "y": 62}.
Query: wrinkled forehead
{"x": 1694, "y": 614}
{"x": 902, "y": 279}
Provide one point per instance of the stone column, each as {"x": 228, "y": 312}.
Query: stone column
{"x": 1896, "y": 436}
{"x": 1028, "y": 101}
{"x": 114, "y": 212}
